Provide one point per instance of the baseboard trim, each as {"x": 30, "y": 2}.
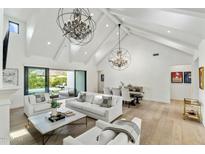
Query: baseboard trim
{"x": 157, "y": 101}
{"x": 16, "y": 108}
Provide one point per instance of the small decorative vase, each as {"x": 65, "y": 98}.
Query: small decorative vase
{"x": 54, "y": 112}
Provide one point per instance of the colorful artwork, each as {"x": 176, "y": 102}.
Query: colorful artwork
{"x": 201, "y": 78}
{"x": 187, "y": 77}
{"x": 177, "y": 77}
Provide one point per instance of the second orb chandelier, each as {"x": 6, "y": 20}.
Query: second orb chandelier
{"x": 120, "y": 58}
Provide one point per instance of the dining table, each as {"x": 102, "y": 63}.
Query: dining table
{"x": 136, "y": 95}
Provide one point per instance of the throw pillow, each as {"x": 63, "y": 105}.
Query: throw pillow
{"x": 107, "y": 102}
{"x": 98, "y": 100}
{"x": 82, "y": 97}
{"x": 89, "y": 98}
{"x": 105, "y": 137}
{"x": 43, "y": 99}
{"x": 38, "y": 98}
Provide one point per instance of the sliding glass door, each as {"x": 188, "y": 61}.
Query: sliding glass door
{"x": 59, "y": 83}
{"x": 35, "y": 80}
{"x": 80, "y": 81}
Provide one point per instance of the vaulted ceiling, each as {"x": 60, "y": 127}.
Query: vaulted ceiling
{"x": 181, "y": 29}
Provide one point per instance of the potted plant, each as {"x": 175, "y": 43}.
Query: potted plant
{"x": 54, "y": 106}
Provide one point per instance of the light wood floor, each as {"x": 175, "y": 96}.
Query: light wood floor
{"x": 161, "y": 124}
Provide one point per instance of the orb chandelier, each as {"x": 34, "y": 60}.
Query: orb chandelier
{"x": 77, "y": 26}
{"x": 119, "y": 58}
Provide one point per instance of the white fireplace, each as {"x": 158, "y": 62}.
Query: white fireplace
{"x": 5, "y": 94}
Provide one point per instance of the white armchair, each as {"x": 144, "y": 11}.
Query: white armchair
{"x": 32, "y": 107}
{"x": 90, "y": 136}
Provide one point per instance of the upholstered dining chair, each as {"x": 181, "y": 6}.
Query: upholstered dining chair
{"x": 116, "y": 91}
{"x": 107, "y": 91}
{"x": 126, "y": 96}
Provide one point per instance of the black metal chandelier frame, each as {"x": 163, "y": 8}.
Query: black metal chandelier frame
{"x": 119, "y": 58}
{"x": 77, "y": 26}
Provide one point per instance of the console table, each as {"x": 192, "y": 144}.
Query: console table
{"x": 192, "y": 109}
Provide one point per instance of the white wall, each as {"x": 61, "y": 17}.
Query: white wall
{"x": 153, "y": 73}
{"x": 17, "y": 58}
{"x": 70, "y": 79}
{"x": 202, "y": 63}
{"x": 179, "y": 91}
{"x": 195, "y": 79}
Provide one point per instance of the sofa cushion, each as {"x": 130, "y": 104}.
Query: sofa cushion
{"x": 114, "y": 100}
{"x": 105, "y": 137}
{"x": 93, "y": 108}
{"x": 81, "y": 97}
{"x": 107, "y": 101}
{"x": 98, "y": 100}
{"x": 76, "y": 104}
{"x": 32, "y": 99}
{"x": 41, "y": 106}
{"x": 89, "y": 98}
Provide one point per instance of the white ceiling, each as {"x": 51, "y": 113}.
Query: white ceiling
{"x": 181, "y": 29}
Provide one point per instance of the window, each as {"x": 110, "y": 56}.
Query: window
{"x": 13, "y": 27}
{"x": 59, "y": 83}
{"x": 36, "y": 80}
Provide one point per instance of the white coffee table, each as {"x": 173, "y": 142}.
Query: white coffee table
{"x": 44, "y": 126}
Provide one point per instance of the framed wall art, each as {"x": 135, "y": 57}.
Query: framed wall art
{"x": 10, "y": 77}
{"x": 187, "y": 77}
{"x": 177, "y": 77}
{"x": 201, "y": 78}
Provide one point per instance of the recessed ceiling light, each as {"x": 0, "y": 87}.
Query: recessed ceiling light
{"x": 106, "y": 25}
{"x": 85, "y": 53}
{"x": 168, "y": 31}
{"x": 92, "y": 14}
{"x": 49, "y": 43}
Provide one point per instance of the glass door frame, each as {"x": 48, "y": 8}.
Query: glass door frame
{"x": 26, "y": 71}
{"x": 76, "y": 80}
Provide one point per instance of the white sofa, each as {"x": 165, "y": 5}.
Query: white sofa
{"x": 31, "y": 107}
{"x": 66, "y": 93}
{"x": 93, "y": 109}
{"x": 90, "y": 136}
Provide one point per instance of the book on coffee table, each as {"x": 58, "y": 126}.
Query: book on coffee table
{"x": 69, "y": 113}
{"x": 56, "y": 118}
